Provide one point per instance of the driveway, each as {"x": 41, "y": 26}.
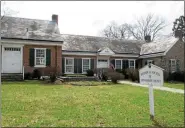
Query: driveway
{"x": 155, "y": 87}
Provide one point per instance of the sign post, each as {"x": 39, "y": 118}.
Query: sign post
{"x": 151, "y": 75}
{"x": 151, "y": 102}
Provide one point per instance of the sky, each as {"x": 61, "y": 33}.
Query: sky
{"x": 90, "y": 17}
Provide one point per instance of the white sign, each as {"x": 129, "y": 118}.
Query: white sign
{"x": 151, "y": 76}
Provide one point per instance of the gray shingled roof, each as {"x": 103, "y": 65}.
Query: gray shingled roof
{"x": 14, "y": 27}
{"x": 161, "y": 44}
{"x": 93, "y": 44}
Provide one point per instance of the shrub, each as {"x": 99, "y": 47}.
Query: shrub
{"x": 115, "y": 76}
{"x": 36, "y": 74}
{"x": 90, "y": 72}
{"x": 176, "y": 76}
{"x": 133, "y": 74}
{"x": 104, "y": 76}
{"x": 53, "y": 77}
{"x": 125, "y": 73}
{"x": 119, "y": 70}
{"x": 27, "y": 76}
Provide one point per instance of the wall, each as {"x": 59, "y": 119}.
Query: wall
{"x": 55, "y": 65}
{"x": 176, "y": 52}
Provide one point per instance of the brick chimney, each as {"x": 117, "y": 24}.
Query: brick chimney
{"x": 148, "y": 38}
{"x": 55, "y": 18}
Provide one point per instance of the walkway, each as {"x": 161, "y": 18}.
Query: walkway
{"x": 155, "y": 87}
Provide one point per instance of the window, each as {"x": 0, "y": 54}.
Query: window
{"x": 85, "y": 64}
{"x": 12, "y": 49}
{"x": 118, "y": 64}
{"x": 173, "y": 65}
{"x": 40, "y": 57}
{"x": 132, "y": 64}
{"x": 69, "y": 63}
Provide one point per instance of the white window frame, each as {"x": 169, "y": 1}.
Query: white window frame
{"x": 148, "y": 61}
{"x": 83, "y": 64}
{"x": 171, "y": 60}
{"x": 35, "y": 49}
{"x": 69, "y": 65}
{"x": 130, "y": 65}
{"x": 115, "y": 63}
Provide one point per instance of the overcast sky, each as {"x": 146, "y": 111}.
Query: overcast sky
{"x": 89, "y": 17}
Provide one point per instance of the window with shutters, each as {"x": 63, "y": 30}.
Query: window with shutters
{"x": 85, "y": 64}
{"x": 132, "y": 64}
{"x": 40, "y": 57}
{"x": 173, "y": 65}
{"x": 118, "y": 64}
{"x": 69, "y": 65}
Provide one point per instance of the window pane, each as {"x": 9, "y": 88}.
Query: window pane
{"x": 86, "y": 64}
{"x": 69, "y": 68}
{"x": 118, "y": 64}
{"x": 132, "y": 63}
{"x": 40, "y": 53}
{"x": 69, "y": 61}
{"x": 40, "y": 57}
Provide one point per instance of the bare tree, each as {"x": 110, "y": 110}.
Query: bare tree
{"x": 6, "y": 11}
{"x": 150, "y": 25}
{"x": 114, "y": 30}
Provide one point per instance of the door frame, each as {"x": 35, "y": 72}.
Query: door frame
{"x": 10, "y": 46}
{"x": 66, "y": 65}
{"x": 103, "y": 58}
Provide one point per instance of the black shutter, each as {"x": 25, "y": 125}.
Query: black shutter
{"x": 125, "y": 64}
{"x": 63, "y": 64}
{"x": 136, "y": 64}
{"x": 75, "y": 65}
{"x": 92, "y": 64}
{"x": 32, "y": 57}
{"x": 152, "y": 62}
{"x": 145, "y": 62}
{"x": 178, "y": 65}
{"x": 48, "y": 57}
{"x": 113, "y": 62}
{"x": 79, "y": 65}
{"x": 169, "y": 63}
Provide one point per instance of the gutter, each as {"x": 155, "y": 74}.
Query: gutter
{"x": 31, "y": 39}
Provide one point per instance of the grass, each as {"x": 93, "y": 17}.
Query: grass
{"x": 34, "y": 105}
{"x": 174, "y": 85}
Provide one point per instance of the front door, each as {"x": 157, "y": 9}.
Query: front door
{"x": 12, "y": 60}
{"x": 103, "y": 63}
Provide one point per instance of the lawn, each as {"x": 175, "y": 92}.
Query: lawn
{"x": 35, "y": 105}
{"x": 174, "y": 85}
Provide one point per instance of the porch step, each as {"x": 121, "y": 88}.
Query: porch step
{"x": 11, "y": 76}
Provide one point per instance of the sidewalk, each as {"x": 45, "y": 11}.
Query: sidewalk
{"x": 155, "y": 87}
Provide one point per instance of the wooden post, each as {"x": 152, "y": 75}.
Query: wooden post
{"x": 151, "y": 102}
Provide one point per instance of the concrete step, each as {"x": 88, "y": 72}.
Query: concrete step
{"x": 12, "y": 76}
